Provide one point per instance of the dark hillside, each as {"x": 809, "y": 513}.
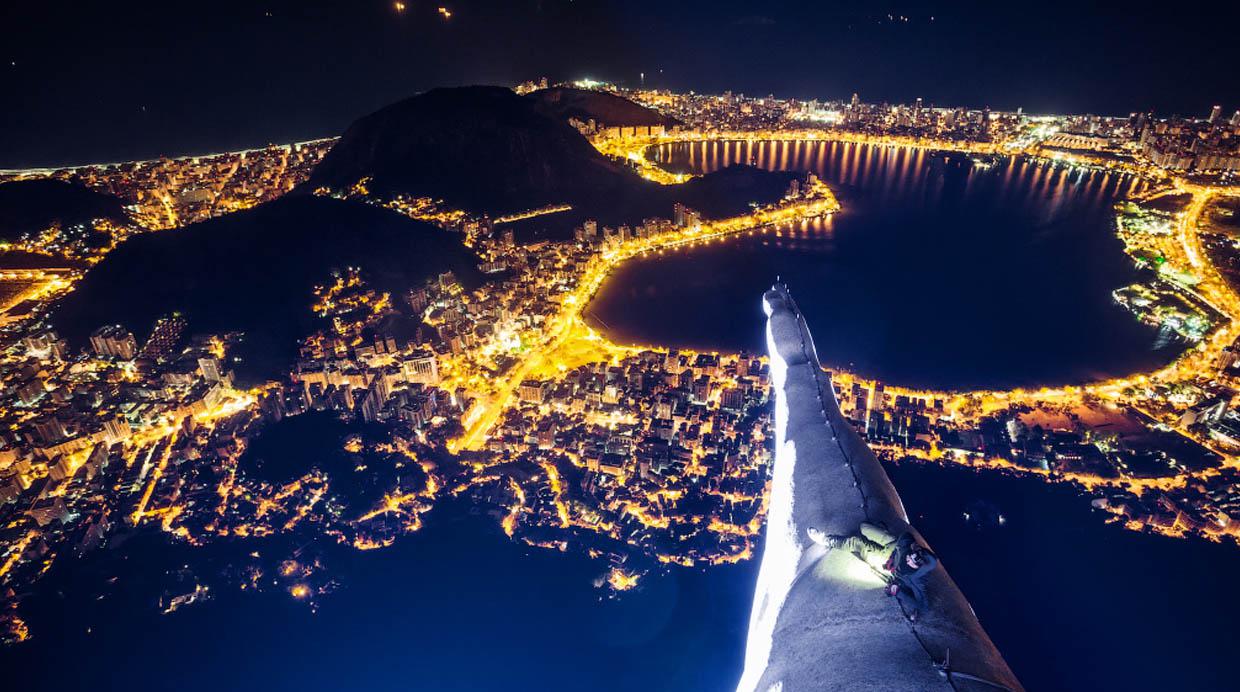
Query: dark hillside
{"x": 483, "y": 149}
{"x": 255, "y": 271}
{"x": 603, "y": 108}
{"x": 30, "y": 206}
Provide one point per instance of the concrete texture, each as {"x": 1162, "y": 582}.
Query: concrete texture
{"x": 821, "y": 620}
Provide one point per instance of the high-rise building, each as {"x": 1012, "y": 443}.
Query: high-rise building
{"x": 693, "y": 219}
{"x": 1216, "y": 113}
{"x": 164, "y": 338}
{"x": 678, "y": 215}
{"x": 1235, "y": 119}
{"x": 114, "y": 341}
{"x": 418, "y": 300}
{"x": 422, "y": 367}
{"x": 877, "y": 397}
{"x": 116, "y": 429}
{"x": 46, "y": 344}
{"x": 212, "y": 370}
{"x": 50, "y": 429}
{"x": 370, "y": 406}
{"x": 732, "y": 399}
{"x": 532, "y": 390}
{"x": 684, "y": 217}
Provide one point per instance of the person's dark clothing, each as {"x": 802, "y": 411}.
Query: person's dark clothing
{"x": 874, "y": 541}
{"x": 911, "y": 580}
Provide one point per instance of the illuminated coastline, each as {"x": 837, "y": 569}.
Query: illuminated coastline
{"x": 491, "y": 415}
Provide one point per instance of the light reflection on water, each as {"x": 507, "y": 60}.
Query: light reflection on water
{"x": 941, "y": 270}
{"x": 909, "y": 172}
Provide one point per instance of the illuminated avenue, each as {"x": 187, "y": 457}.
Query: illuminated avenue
{"x": 639, "y": 456}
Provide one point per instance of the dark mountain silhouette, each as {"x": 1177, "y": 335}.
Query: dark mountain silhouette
{"x": 484, "y": 149}
{"x": 487, "y": 150}
{"x": 726, "y": 192}
{"x": 19, "y": 259}
{"x": 255, "y": 271}
{"x": 603, "y": 108}
{"x": 30, "y": 206}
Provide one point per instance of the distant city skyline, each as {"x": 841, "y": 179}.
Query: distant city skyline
{"x": 115, "y": 83}
{"x": 337, "y": 357}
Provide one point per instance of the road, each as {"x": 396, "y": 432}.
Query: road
{"x": 486, "y": 411}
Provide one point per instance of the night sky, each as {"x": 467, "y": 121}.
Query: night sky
{"x": 101, "y": 81}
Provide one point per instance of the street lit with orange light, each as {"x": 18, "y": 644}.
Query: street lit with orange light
{"x": 818, "y": 201}
{"x": 509, "y": 393}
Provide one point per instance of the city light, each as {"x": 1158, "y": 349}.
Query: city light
{"x": 642, "y": 456}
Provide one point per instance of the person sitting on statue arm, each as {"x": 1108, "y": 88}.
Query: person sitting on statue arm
{"x": 905, "y": 564}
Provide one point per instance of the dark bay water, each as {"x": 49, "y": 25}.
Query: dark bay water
{"x": 457, "y": 606}
{"x": 1008, "y": 282}
{"x": 1073, "y": 603}
{"x": 937, "y": 272}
